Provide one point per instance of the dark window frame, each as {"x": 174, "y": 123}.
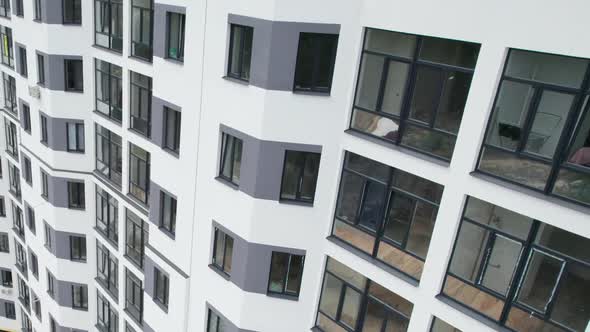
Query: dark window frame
{"x": 14, "y": 180}
{"x": 44, "y": 133}
{"x": 301, "y": 166}
{"x": 134, "y": 181}
{"x": 142, "y": 114}
{"x": 247, "y": 33}
{"x": 222, "y": 266}
{"x": 148, "y": 47}
{"x": 27, "y": 170}
{"x": 578, "y": 111}
{"x": 172, "y": 143}
{"x": 37, "y": 13}
{"x": 6, "y": 278}
{"x": 26, "y": 117}
{"x": 161, "y": 285}
{"x": 285, "y": 280}
{"x": 5, "y": 8}
{"x": 22, "y": 61}
{"x": 2, "y": 207}
{"x": 181, "y": 34}
{"x": 107, "y": 319}
{"x": 11, "y": 133}
{"x": 73, "y": 80}
{"x": 111, "y": 144}
{"x": 109, "y": 27}
{"x": 17, "y": 220}
{"x": 80, "y": 302}
{"x": 21, "y": 257}
{"x": 76, "y": 195}
{"x": 168, "y": 222}
{"x": 10, "y": 310}
{"x": 136, "y": 238}
{"x": 403, "y": 119}
{"x": 134, "y": 296}
{"x": 108, "y": 275}
{"x": 4, "y": 243}
{"x": 41, "y": 69}
{"x": 78, "y": 128}
{"x": 108, "y": 228}
{"x": 75, "y": 8}
{"x": 9, "y": 88}
{"x": 225, "y": 141}
{"x": 6, "y": 37}
{"x": 44, "y": 185}
{"x": 314, "y": 88}
{"x": 77, "y": 248}
{"x": 50, "y": 284}
{"x": 19, "y": 8}
{"x": 34, "y": 265}
{"x": 107, "y": 80}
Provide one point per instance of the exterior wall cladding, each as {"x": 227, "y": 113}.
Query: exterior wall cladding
{"x": 275, "y": 165}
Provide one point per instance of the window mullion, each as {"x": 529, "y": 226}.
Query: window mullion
{"x": 408, "y": 91}
{"x": 382, "y": 84}
{"x": 442, "y": 84}
{"x": 530, "y": 117}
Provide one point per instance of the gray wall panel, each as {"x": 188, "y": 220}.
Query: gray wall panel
{"x": 57, "y": 137}
{"x": 262, "y": 163}
{"x": 274, "y": 49}
{"x": 157, "y": 132}
{"x": 231, "y": 327}
{"x": 51, "y": 11}
{"x": 155, "y": 209}
{"x": 20, "y": 107}
{"x": 17, "y": 52}
{"x": 160, "y": 28}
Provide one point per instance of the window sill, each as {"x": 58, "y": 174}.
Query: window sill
{"x": 283, "y": 296}
{"x": 219, "y": 271}
{"x": 140, "y": 59}
{"x": 402, "y": 149}
{"x": 227, "y": 182}
{"x": 236, "y": 80}
{"x": 361, "y": 254}
{"x": 295, "y": 202}
{"x": 311, "y": 93}
{"x": 106, "y": 49}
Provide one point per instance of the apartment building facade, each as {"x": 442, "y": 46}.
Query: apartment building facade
{"x": 276, "y": 165}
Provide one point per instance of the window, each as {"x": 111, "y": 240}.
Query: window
{"x": 133, "y": 296}
{"x": 9, "y": 93}
{"x": 231, "y": 158}
{"x": 216, "y": 323}
{"x": 76, "y": 195}
{"x": 168, "y": 213}
{"x": 300, "y": 175}
{"x": 36, "y": 305}
{"x": 175, "y": 38}
{"x": 141, "y": 103}
{"x": 106, "y": 316}
{"x": 7, "y": 48}
{"x": 240, "y": 52}
{"x": 2, "y": 207}
{"x": 107, "y": 269}
{"x": 107, "y": 215}
{"x": 19, "y": 8}
{"x": 74, "y": 75}
{"x": 72, "y": 12}
{"x": 26, "y": 118}
{"x": 50, "y": 284}
{"x": 75, "y": 136}
{"x": 139, "y": 173}
{"x": 17, "y": 220}
{"x": 34, "y": 265}
{"x": 80, "y": 297}
{"x": 517, "y": 271}
{"x": 142, "y": 15}
{"x": 30, "y": 214}
{"x": 5, "y": 8}
{"x": 315, "y": 62}
{"x": 345, "y": 294}
{"x": 22, "y": 61}
{"x": 9, "y": 310}
{"x": 538, "y": 134}
{"x": 439, "y": 325}
{"x": 4, "y": 244}
{"x": 223, "y": 247}
{"x": 386, "y": 213}
{"x": 171, "y": 129}
{"x": 44, "y": 185}
{"x": 109, "y": 89}
{"x": 11, "y": 135}
{"x": 27, "y": 172}
{"x": 136, "y": 238}
{"x": 6, "y": 278}
{"x": 286, "y": 271}
{"x": 37, "y": 10}
{"x": 109, "y": 154}
{"x": 161, "y": 287}
{"x": 108, "y": 29}
{"x": 412, "y": 90}
{"x": 25, "y": 321}
{"x": 40, "y": 69}
{"x": 78, "y": 248}
{"x": 23, "y": 293}
{"x": 52, "y": 325}
{"x": 14, "y": 179}
{"x": 44, "y": 134}
{"x": 48, "y": 236}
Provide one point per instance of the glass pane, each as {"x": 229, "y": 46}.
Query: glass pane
{"x": 369, "y": 81}
{"x": 421, "y": 229}
{"x": 374, "y": 317}
{"x": 236, "y": 42}
{"x": 367, "y": 167}
{"x": 572, "y": 303}
{"x": 330, "y": 295}
{"x": 389, "y": 42}
{"x": 499, "y": 218}
{"x": 418, "y": 186}
{"x": 400, "y": 260}
{"x": 375, "y": 125}
{"x": 326, "y": 53}
{"x": 452, "y": 101}
{"x": 430, "y": 141}
{"x": 372, "y": 205}
{"x": 501, "y": 264}
{"x": 328, "y": 325}
{"x": 439, "y": 325}
{"x": 579, "y": 149}
{"x": 246, "y": 53}
{"x": 349, "y": 198}
{"x": 391, "y": 299}
{"x": 548, "y": 124}
{"x": 278, "y": 271}
{"x": 540, "y": 280}
{"x": 548, "y": 68}
{"x": 474, "y": 298}
{"x": 523, "y": 321}
{"x": 72, "y": 136}
{"x": 393, "y": 95}
{"x": 354, "y": 236}
{"x": 350, "y": 307}
{"x": 450, "y": 52}
{"x": 401, "y": 213}
{"x": 229, "y": 248}
{"x": 310, "y": 174}
{"x": 508, "y": 166}
{"x": 291, "y": 174}
{"x": 564, "y": 242}
{"x": 347, "y": 274}
{"x": 305, "y": 61}
{"x": 469, "y": 251}
{"x": 228, "y": 142}
{"x": 295, "y": 274}
{"x": 510, "y": 111}
{"x": 219, "y": 247}
{"x": 237, "y": 161}
{"x": 427, "y": 91}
